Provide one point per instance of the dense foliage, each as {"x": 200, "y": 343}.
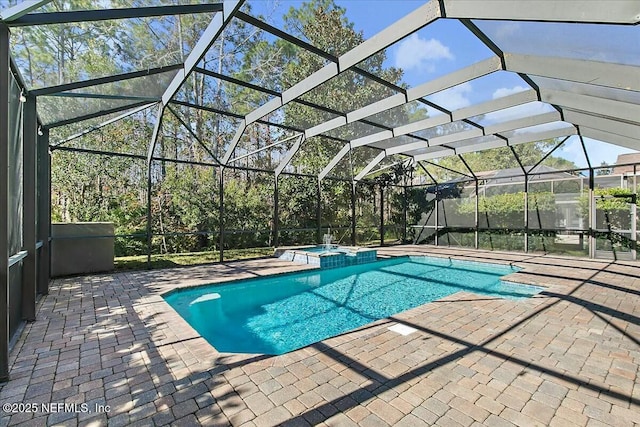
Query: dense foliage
{"x": 613, "y": 209}
{"x": 507, "y": 210}
{"x": 527, "y": 154}
{"x": 185, "y": 199}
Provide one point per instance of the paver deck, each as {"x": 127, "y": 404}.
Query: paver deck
{"x": 568, "y": 356}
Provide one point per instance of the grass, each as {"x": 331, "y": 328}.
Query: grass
{"x": 139, "y": 262}
{"x": 189, "y": 258}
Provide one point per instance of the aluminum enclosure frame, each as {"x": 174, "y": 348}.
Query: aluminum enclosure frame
{"x": 599, "y": 103}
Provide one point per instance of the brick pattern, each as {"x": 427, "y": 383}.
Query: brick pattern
{"x": 568, "y": 356}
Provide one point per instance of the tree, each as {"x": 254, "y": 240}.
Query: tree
{"x": 325, "y": 25}
{"x": 507, "y": 210}
{"x": 185, "y": 197}
{"x": 88, "y": 187}
{"x": 57, "y": 54}
{"x": 503, "y": 158}
{"x": 604, "y": 169}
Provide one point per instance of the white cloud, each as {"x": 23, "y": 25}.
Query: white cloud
{"x": 420, "y": 54}
{"x": 507, "y": 30}
{"x": 453, "y": 98}
{"x": 505, "y": 91}
{"x": 517, "y": 112}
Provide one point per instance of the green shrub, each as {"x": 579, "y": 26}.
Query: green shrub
{"x": 506, "y": 210}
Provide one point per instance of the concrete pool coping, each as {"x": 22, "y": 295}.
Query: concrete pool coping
{"x": 567, "y": 357}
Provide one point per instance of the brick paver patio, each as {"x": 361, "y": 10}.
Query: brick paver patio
{"x": 569, "y": 356}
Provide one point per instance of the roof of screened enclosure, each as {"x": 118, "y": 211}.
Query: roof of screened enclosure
{"x": 538, "y": 70}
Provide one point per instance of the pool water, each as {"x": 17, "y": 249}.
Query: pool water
{"x": 278, "y": 314}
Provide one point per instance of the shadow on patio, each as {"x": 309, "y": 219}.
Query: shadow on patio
{"x": 570, "y": 354}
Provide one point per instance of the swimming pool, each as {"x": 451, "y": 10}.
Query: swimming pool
{"x": 278, "y": 314}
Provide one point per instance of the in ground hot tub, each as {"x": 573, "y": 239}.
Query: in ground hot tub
{"x": 327, "y": 256}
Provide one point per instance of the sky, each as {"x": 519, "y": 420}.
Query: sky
{"x": 447, "y": 45}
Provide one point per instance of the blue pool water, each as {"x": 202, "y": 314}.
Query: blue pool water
{"x": 277, "y": 314}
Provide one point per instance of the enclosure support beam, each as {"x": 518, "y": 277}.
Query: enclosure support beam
{"x": 611, "y": 138}
{"x": 100, "y": 114}
{"x": 101, "y": 125}
{"x": 290, "y": 153}
{"x": 524, "y": 122}
{"x": 404, "y": 213}
{"x": 607, "y": 108}
{"x": 149, "y": 217}
{"x": 353, "y": 212}
{"x": 626, "y": 129}
{"x": 69, "y": 17}
{"x": 601, "y": 12}
{"x": 319, "y": 211}
{"x": 372, "y": 164}
{"x": 592, "y": 216}
{"x": 448, "y": 169}
{"x": 526, "y": 213}
{"x": 425, "y": 170}
{"x": 405, "y": 204}
{"x": 476, "y": 219}
{"x": 4, "y": 202}
{"x": 549, "y": 153}
{"x": 437, "y": 220}
{"x": 103, "y": 80}
{"x": 193, "y": 134}
{"x": 592, "y": 207}
{"x": 381, "y": 215}
{"x": 309, "y": 47}
{"x": 605, "y": 74}
{"x": 584, "y": 150}
{"x": 138, "y": 156}
{"x": 152, "y": 148}
{"x": 221, "y": 215}
{"x": 476, "y": 233}
{"x": 29, "y": 188}
{"x": 634, "y": 214}
{"x": 336, "y": 159}
{"x": 501, "y": 141}
{"x": 526, "y": 199}
{"x": 276, "y": 214}
{"x": 44, "y": 211}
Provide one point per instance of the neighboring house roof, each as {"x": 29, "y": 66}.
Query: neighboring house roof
{"x": 625, "y": 159}
{"x": 503, "y": 176}
{"x": 506, "y": 176}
